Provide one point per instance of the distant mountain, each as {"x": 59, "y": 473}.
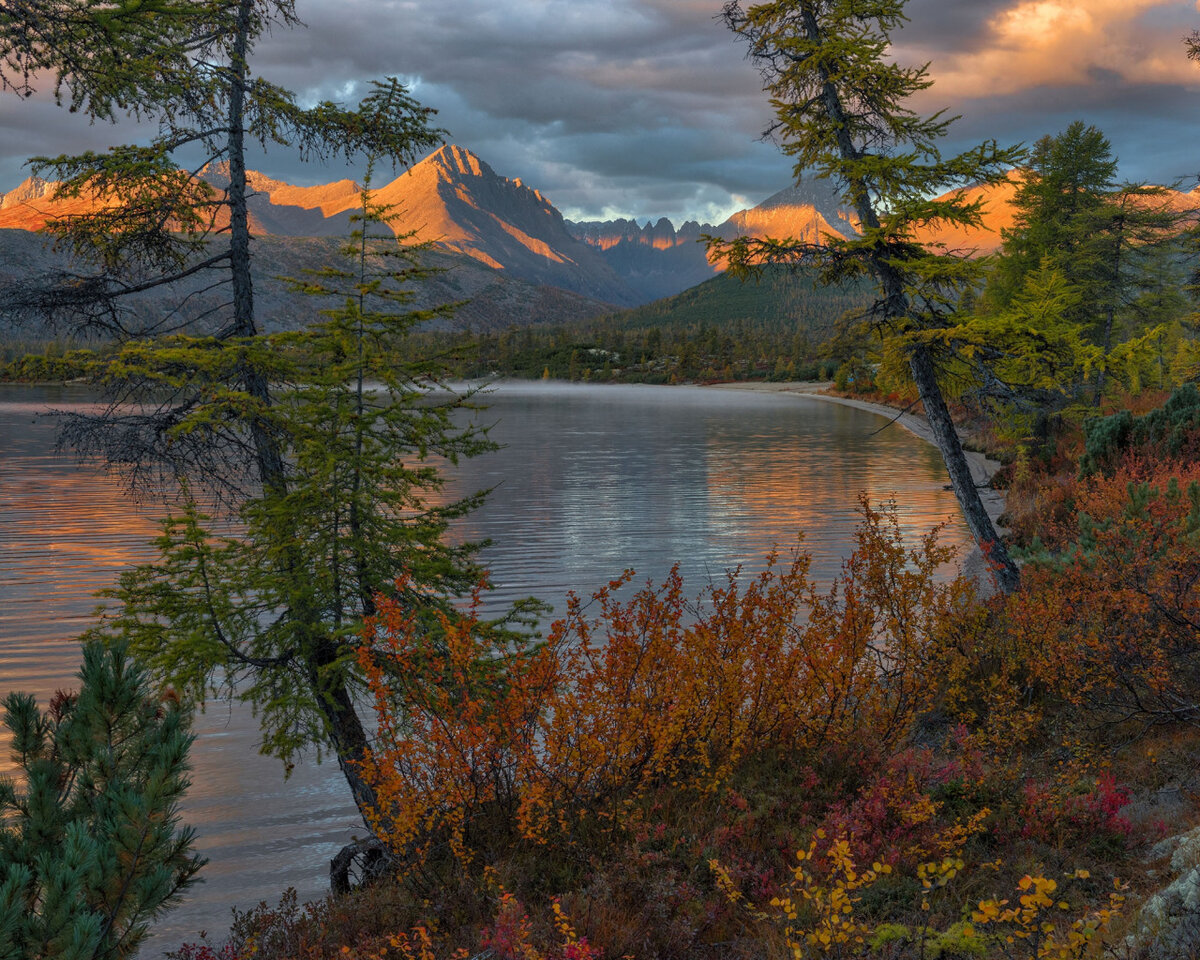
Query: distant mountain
{"x": 660, "y": 235}
{"x": 483, "y": 220}
{"x": 806, "y": 212}
{"x": 998, "y": 214}
{"x": 451, "y": 198}
{"x": 455, "y": 200}
{"x": 35, "y": 201}
{"x": 32, "y": 191}
{"x": 492, "y": 299}
{"x": 657, "y": 261}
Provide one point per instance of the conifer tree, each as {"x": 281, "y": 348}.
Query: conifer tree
{"x": 1060, "y": 205}
{"x": 1192, "y": 41}
{"x": 91, "y": 847}
{"x": 186, "y": 64}
{"x": 333, "y": 483}
{"x": 840, "y": 113}
{"x": 273, "y": 612}
{"x": 106, "y": 57}
{"x": 1107, "y": 239}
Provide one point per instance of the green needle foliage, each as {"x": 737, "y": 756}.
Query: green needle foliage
{"x": 91, "y": 848}
{"x": 273, "y": 609}
{"x": 1114, "y": 245}
{"x": 333, "y": 489}
{"x": 840, "y": 106}
{"x": 107, "y": 57}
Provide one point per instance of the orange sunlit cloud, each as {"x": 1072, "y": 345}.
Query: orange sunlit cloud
{"x": 1034, "y": 43}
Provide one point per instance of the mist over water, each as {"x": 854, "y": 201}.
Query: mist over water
{"x": 590, "y": 480}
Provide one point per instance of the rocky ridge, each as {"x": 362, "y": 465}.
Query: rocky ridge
{"x": 454, "y": 200}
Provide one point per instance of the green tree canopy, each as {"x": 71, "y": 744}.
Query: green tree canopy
{"x": 1115, "y": 244}
{"x": 91, "y": 847}
{"x": 840, "y": 104}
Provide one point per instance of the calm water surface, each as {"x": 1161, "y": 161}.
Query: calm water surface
{"x": 590, "y": 480}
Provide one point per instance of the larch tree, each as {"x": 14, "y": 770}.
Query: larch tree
{"x": 1106, "y": 238}
{"x": 1059, "y": 206}
{"x": 840, "y": 111}
{"x": 332, "y": 484}
{"x": 1192, "y": 42}
{"x": 273, "y": 609}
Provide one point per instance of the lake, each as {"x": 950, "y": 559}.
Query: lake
{"x": 590, "y": 480}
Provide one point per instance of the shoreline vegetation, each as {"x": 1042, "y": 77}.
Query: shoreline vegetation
{"x": 980, "y": 790}
{"x": 996, "y": 765}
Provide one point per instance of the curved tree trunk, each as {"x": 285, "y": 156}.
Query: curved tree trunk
{"x": 347, "y": 735}
{"x": 1008, "y": 576}
{"x": 893, "y": 309}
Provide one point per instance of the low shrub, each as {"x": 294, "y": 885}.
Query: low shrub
{"x": 566, "y": 744}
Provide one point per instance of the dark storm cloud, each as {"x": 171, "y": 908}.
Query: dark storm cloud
{"x": 649, "y": 108}
{"x": 938, "y": 26}
{"x": 652, "y": 101}
{"x": 1142, "y": 122}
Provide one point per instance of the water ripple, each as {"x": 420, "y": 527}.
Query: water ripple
{"x": 589, "y": 481}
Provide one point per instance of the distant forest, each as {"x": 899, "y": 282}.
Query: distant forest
{"x": 783, "y": 327}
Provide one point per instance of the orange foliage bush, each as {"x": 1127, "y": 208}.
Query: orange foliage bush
{"x": 1109, "y": 620}
{"x": 480, "y": 749}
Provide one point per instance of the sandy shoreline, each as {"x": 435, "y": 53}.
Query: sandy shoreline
{"x": 982, "y": 467}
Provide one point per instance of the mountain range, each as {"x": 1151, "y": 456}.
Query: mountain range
{"x": 508, "y": 243}
{"x": 455, "y": 200}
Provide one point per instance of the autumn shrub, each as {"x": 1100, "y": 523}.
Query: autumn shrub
{"x": 901, "y": 812}
{"x": 375, "y": 924}
{"x": 565, "y": 802}
{"x": 1076, "y": 813}
{"x": 819, "y": 913}
{"x": 1040, "y": 494}
{"x": 566, "y": 743}
{"x": 1109, "y": 618}
{"x": 1170, "y": 432}
{"x": 203, "y": 951}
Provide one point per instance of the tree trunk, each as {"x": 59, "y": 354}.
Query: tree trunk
{"x": 1008, "y": 576}
{"x": 270, "y": 460}
{"x": 346, "y": 732}
{"x": 239, "y": 220}
{"x": 1110, "y": 312}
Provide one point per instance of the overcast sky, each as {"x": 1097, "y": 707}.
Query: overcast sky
{"x": 648, "y": 108}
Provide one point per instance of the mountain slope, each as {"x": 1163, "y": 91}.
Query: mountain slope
{"x": 493, "y": 299}
{"x": 454, "y": 199}
{"x": 806, "y": 212}
{"x": 656, "y": 261}
{"x": 451, "y": 198}
{"x": 781, "y": 299}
